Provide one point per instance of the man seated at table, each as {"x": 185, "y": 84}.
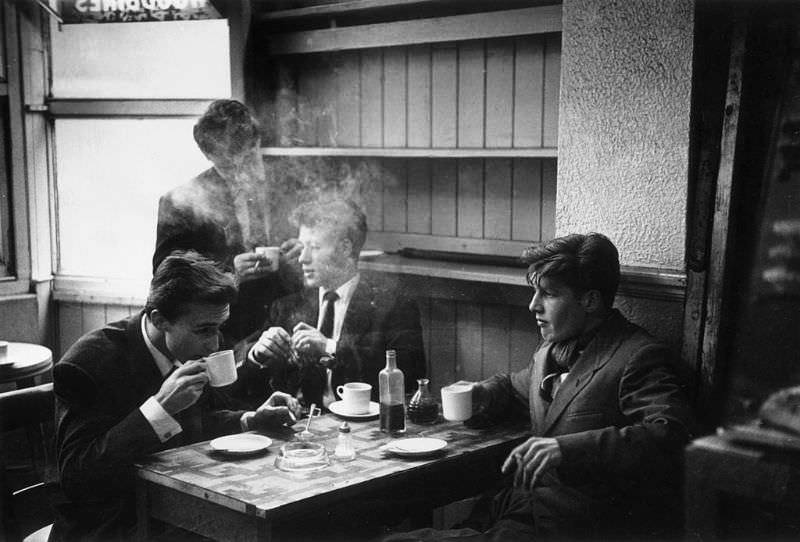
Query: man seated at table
{"x": 339, "y": 327}
{"x": 608, "y": 414}
{"x": 138, "y": 386}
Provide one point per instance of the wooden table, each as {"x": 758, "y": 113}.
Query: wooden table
{"x": 243, "y": 498}
{"x": 718, "y": 469}
{"x": 24, "y": 362}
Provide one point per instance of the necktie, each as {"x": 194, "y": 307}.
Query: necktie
{"x": 327, "y": 319}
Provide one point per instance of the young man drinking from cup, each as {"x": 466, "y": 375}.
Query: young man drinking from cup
{"x": 138, "y": 386}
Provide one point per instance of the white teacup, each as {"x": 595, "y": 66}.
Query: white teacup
{"x": 271, "y": 255}
{"x": 221, "y": 368}
{"x": 457, "y": 402}
{"x": 355, "y": 397}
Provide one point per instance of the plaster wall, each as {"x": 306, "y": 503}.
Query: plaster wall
{"x": 624, "y": 125}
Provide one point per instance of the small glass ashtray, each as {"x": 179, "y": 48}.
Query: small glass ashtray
{"x": 302, "y": 456}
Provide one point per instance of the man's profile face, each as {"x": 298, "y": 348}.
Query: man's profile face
{"x": 195, "y": 333}
{"x": 323, "y": 257}
{"x": 560, "y": 313}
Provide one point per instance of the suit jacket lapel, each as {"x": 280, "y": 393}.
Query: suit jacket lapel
{"x": 538, "y": 406}
{"x": 596, "y": 354}
{"x": 360, "y": 311}
{"x": 141, "y": 362}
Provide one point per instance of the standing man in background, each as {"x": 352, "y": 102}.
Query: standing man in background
{"x": 224, "y": 213}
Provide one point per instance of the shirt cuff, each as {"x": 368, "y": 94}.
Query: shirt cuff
{"x": 330, "y": 347}
{"x": 162, "y": 423}
{"x": 244, "y": 421}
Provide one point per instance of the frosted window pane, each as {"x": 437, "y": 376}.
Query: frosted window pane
{"x": 186, "y": 59}
{"x": 110, "y": 176}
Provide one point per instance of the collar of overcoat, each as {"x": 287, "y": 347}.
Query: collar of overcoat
{"x": 593, "y": 358}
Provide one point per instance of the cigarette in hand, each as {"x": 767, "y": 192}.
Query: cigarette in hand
{"x": 255, "y": 267}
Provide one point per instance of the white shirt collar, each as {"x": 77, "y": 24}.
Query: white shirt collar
{"x": 345, "y": 292}
{"x": 163, "y": 363}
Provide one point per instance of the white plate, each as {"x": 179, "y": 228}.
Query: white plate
{"x": 337, "y": 408}
{"x": 416, "y": 447}
{"x": 241, "y": 444}
{"x": 370, "y": 254}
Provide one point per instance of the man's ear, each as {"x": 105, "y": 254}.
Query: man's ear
{"x": 592, "y": 301}
{"x": 346, "y": 245}
{"x": 158, "y": 320}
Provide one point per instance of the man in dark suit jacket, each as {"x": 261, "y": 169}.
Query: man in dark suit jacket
{"x": 138, "y": 386}
{"x": 224, "y": 213}
{"x": 608, "y": 414}
{"x": 304, "y": 351}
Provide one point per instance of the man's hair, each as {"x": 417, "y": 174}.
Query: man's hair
{"x": 343, "y": 216}
{"x": 186, "y": 277}
{"x": 227, "y": 127}
{"x": 581, "y": 262}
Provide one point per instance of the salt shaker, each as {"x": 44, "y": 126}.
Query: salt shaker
{"x": 344, "y": 445}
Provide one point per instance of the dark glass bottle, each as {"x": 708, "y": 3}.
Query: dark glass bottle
{"x": 392, "y": 396}
{"x": 423, "y": 407}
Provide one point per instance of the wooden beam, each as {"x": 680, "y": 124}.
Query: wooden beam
{"x": 496, "y": 24}
{"x": 720, "y": 235}
{"x": 127, "y": 108}
{"x": 339, "y": 8}
{"x": 548, "y": 152}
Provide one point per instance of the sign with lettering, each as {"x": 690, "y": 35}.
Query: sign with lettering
{"x": 129, "y": 11}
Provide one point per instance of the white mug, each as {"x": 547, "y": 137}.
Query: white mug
{"x": 221, "y": 368}
{"x": 355, "y": 397}
{"x": 457, "y": 402}
{"x": 272, "y": 255}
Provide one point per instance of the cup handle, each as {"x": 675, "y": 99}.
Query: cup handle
{"x": 340, "y": 391}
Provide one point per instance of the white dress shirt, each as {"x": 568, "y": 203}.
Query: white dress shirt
{"x": 164, "y": 425}
{"x": 345, "y": 292}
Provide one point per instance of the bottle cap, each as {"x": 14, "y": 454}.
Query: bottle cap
{"x": 344, "y": 428}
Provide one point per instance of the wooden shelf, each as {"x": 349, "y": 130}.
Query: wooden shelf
{"x": 495, "y": 24}
{"x": 544, "y": 152}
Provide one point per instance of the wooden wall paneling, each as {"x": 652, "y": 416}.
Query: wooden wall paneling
{"x": 524, "y": 338}
{"x": 526, "y": 200}
{"x": 444, "y": 95}
{"x": 528, "y": 91}
{"x": 424, "y": 304}
{"x": 443, "y": 343}
{"x": 499, "y": 92}
{"x": 286, "y": 103}
{"x": 471, "y": 93}
{"x": 497, "y": 205}
{"x": 372, "y": 98}
{"x": 552, "y": 85}
{"x": 419, "y": 96}
{"x": 117, "y": 312}
{"x": 548, "y": 199}
{"x": 444, "y": 182}
{"x": 469, "y": 340}
{"x": 496, "y": 339}
{"x": 470, "y": 197}
{"x": 69, "y": 325}
{"x": 394, "y": 97}
{"x": 348, "y": 95}
{"x": 308, "y": 79}
{"x": 324, "y": 100}
{"x": 395, "y": 194}
{"x": 419, "y": 196}
{"x": 93, "y": 316}
{"x": 373, "y": 202}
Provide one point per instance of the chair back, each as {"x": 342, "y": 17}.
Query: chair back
{"x": 26, "y": 489}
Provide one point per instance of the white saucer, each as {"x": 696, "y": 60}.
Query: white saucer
{"x": 241, "y": 444}
{"x": 337, "y": 408}
{"x": 416, "y": 447}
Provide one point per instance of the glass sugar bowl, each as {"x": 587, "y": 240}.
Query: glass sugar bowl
{"x": 423, "y": 408}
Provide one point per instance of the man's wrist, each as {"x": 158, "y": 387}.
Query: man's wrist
{"x": 246, "y": 421}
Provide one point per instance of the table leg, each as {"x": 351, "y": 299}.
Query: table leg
{"x": 142, "y": 512}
